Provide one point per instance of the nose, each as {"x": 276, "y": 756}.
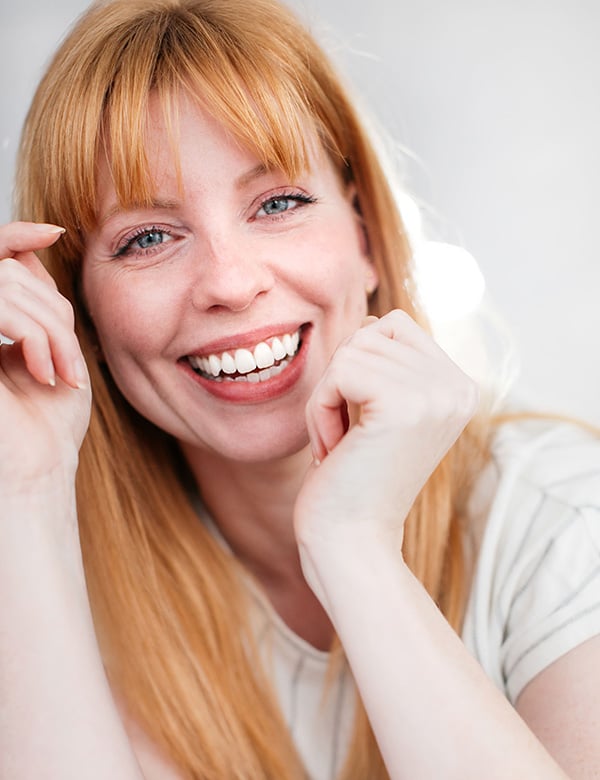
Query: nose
{"x": 231, "y": 276}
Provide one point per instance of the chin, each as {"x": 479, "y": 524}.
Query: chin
{"x": 266, "y": 449}
{"x": 253, "y": 443}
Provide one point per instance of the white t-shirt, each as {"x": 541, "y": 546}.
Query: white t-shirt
{"x": 535, "y": 594}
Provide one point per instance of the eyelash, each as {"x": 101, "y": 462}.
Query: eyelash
{"x": 299, "y": 197}
{"x": 127, "y": 245}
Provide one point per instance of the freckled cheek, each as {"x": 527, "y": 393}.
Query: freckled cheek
{"x": 126, "y": 324}
{"x": 334, "y": 274}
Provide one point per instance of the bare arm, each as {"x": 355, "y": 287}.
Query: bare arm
{"x": 58, "y": 718}
{"x": 433, "y": 710}
{"x": 57, "y": 715}
{"x": 561, "y": 706}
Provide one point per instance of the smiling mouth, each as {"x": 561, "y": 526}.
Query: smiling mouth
{"x": 260, "y": 363}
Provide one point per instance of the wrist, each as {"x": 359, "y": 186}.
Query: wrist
{"x": 352, "y": 566}
{"x": 41, "y": 484}
{"x": 44, "y": 515}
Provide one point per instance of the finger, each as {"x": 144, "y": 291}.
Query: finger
{"x": 48, "y": 341}
{"x": 329, "y": 412}
{"x": 325, "y": 430}
{"x": 20, "y": 285}
{"x": 400, "y": 326}
{"x": 353, "y": 410}
{"x": 25, "y": 296}
{"x": 33, "y": 344}
{"x": 374, "y": 341}
{"x": 358, "y": 382}
{"x": 326, "y": 426}
{"x": 21, "y": 239}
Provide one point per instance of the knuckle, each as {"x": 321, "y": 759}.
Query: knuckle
{"x": 12, "y": 289}
{"x": 33, "y": 333}
{"x": 359, "y": 339}
{"x": 398, "y": 316}
{"x": 467, "y": 400}
{"x": 342, "y": 353}
{"x": 67, "y": 310}
{"x": 8, "y": 266}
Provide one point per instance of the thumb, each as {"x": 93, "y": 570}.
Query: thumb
{"x": 354, "y": 409}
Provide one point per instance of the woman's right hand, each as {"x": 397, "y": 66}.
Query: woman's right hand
{"x": 44, "y": 385}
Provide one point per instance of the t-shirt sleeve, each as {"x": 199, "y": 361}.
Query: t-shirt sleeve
{"x": 537, "y": 589}
{"x": 553, "y": 597}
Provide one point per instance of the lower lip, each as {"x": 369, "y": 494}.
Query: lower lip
{"x": 254, "y": 393}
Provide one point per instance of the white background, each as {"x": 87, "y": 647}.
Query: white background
{"x": 498, "y": 102}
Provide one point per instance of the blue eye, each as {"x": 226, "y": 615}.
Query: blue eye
{"x": 279, "y": 204}
{"x": 143, "y": 241}
{"x": 148, "y": 240}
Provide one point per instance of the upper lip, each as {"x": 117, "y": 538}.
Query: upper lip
{"x": 246, "y": 340}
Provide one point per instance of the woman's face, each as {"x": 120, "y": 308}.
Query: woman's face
{"x": 241, "y": 266}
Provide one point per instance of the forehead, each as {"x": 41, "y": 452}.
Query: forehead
{"x": 181, "y": 133}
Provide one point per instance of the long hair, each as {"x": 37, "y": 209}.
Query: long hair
{"x": 168, "y": 603}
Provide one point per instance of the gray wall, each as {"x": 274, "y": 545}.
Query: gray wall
{"x": 498, "y": 103}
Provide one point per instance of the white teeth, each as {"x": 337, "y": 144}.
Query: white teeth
{"x": 278, "y": 350}
{"x": 263, "y": 355}
{"x": 244, "y": 361}
{"x": 278, "y": 369}
{"x": 214, "y": 365}
{"x": 228, "y": 363}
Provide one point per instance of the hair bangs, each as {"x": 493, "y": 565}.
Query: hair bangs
{"x": 250, "y": 90}
{"x": 254, "y": 73}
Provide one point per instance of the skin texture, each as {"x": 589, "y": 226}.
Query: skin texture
{"x": 312, "y": 507}
{"x": 225, "y": 270}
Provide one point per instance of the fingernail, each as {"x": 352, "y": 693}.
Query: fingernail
{"x": 48, "y": 229}
{"x": 80, "y": 373}
{"x": 51, "y": 374}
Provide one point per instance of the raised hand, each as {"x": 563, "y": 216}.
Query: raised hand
{"x": 44, "y": 386}
{"x": 413, "y": 403}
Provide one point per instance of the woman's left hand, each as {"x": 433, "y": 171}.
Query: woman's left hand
{"x": 411, "y": 402}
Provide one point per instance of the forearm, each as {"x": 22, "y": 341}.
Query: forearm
{"x": 57, "y": 715}
{"x": 434, "y": 712}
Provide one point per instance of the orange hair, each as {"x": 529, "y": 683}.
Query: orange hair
{"x": 169, "y": 604}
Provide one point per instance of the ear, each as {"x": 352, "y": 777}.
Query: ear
{"x": 372, "y": 279}
{"x": 371, "y": 275}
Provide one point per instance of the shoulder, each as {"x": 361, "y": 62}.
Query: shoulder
{"x": 561, "y": 458}
{"x": 536, "y": 590}
{"x": 543, "y": 477}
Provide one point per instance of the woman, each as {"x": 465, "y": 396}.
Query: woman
{"x": 277, "y": 493}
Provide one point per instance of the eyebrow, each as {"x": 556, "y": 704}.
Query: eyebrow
{"x": 254, "y": 173}
{"x": 171, "y": 205}
{"x": 164, "y": 205}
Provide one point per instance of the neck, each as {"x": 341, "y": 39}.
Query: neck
{"x": 252, "y": 504}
